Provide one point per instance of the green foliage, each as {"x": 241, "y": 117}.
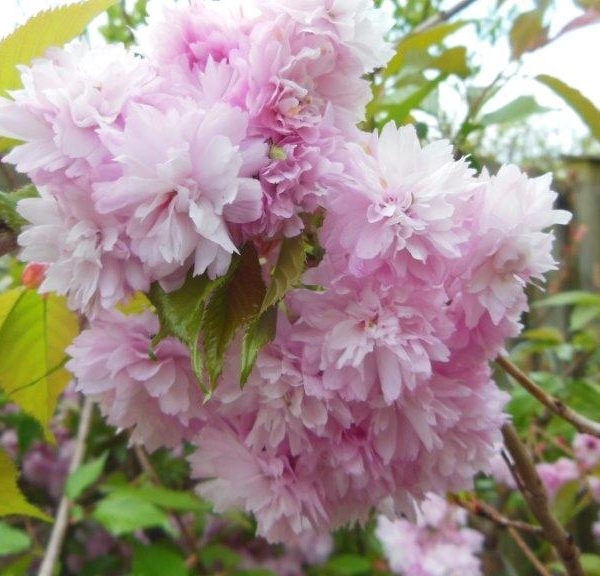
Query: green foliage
{"x": 12, "y": 501}
{"x": 34, "y": 332}
{"x": 591, "y": 564}
{"x": 217, "y": 557}
{"x": 13, "y": 540}
{"x": 124, "y": 514}
{"x": 259, "y": 334}
{"x": 8, "y": 206}
{"x": 122, "y": 22}
{"x": 84, "y": 477}
{"x": 157, "y": 560}
{"x": 53, "y": 27}
{"x": 574, "y": 98}
{"x": 528, "y": 33}
{"x": 349, "y": 565}
{"x": 234, "y": 303}
{"x": 160, "y": 496}
{"x": 516, "y": 111}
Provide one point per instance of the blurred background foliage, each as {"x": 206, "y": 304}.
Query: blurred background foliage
{"x": 137, "y": 514}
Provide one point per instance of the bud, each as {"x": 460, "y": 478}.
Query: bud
{"x": 33, "y": 275}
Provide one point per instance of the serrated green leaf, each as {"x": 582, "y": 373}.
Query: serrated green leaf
{"x": 259, "y": 334}
{"x": 34, "y": 332}
{"x": 528, "y": 33}
{"x": 82, "y": 478}
{"x": 124, "y": 515}
{"x": 53, "y": 27}
{"x": 287, "y": 271}
{"x": 13, "y": 540}
{"x": 515, "y": 111}
{"x": 12, "y": 501}
{"x": 233, "y": 304}
{"x": 157, "y": 560}
{"x": 575, "y": 297}
{"x": 576, "y": 100}
{"x": 8, "y": 206}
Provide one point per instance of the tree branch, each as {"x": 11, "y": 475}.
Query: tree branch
{"x": 558, "y": 407}
{"x": 62, "y": 516}
{"x": 542, "y": 570}
{"x": 536, "y": 497}
{"x": 443, "y": 16}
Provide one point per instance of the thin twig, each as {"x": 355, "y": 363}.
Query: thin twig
{"x": 536, "y": 497}
{"x": 579, "y": 422}
{"x": 528, "y": 552}
{"x": 443, "y": 16}
{"x": 484, "y": 510}
{"x": 61, "y": 523}
{"x": 148, "y": 468}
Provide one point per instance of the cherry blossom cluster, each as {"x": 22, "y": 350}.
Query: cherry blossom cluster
{"x": 237, "y": 124}
{"x": 439, "y": 543}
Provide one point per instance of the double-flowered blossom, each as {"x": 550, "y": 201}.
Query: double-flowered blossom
{"x": 439, "y": 543}
{"x": 237, "y": 125}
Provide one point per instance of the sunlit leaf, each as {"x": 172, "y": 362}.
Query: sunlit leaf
{"x": 582, "y": 316}
{"x": 572, "y": 298}
{"x": 53, "y": 27}
{"x": 590, "y": 564}
{"x": 34, "y": 332}
{"x": 516, "y": 111}
{"x": 124, "y": 515}
{"x": 12, "y": 501}
{"x": 12, "y": 540}
{"x": 157, "y": 560}
{"x": 160, "y": 496}
{"x": 576, "y": 100}
{"x": 452, "y": 61}
{"x": 82, "y": 478}
{"x": 544, "y": 334}
{"x": 399, "y": 112}
{"x": 528, "y": 33}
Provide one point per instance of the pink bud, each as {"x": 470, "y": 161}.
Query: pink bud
{"x": 33, "y": 275}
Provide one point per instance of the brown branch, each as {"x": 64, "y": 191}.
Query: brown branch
{"x": 558, "y": 407}
{"x": 483, "y": 510}
{"x": 536, "y": 497}
{"x": 61, "y": 522}
{"x": 542, "y": 570}
{"x": 443, "y": 16}
{"x": 8, "y": 240}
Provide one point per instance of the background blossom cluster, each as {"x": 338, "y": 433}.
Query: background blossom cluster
{"x": 237, "y": 125}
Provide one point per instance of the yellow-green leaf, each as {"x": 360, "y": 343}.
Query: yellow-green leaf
{"x": 53, "y": 27}
{"x": 34, "y": 332}
{"x": 576, "y": 100}
{"x": 420, "y": 41}
{"x": 528, "y": 33}
{"x": 12, "y": 501}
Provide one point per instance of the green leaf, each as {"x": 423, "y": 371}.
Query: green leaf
{"x": 157, "y": 560}
{"x": 399, "y": 112}
{"x": 590, "y": 564}
{"x": 287, "y": 272}
{"x": 82, "y": 478}
{"x": 12, "y": 501}
{"x": 349, "y": 565}
{"x": 564, "y": 504}
{"x": 137, "y": 304}
{"x": 516, "y": 111}
{"x": 53, "y": 27}
{"x": 34, "y": 332}
{"x": 544, "y": 334}
{"x": 576, "y": 100}
{"x": 582, "y": 316}
{"x": 420, "y": 41}
{"x": 163, "y": 497}
{"x": 8, "y": 206}
{"x": 218, "y": 556}
{"x": 233, "y": 304}
{"x": 13, "y": 540}
{"x": 452, "y": 61}
{"x": 259, "y": 334}
{"x": 575, "y": 297}
{"x": 124, "y": 515}
{"x": 528, "y": 33}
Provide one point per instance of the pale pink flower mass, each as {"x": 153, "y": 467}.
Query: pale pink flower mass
{"x": 238, "y": 124}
